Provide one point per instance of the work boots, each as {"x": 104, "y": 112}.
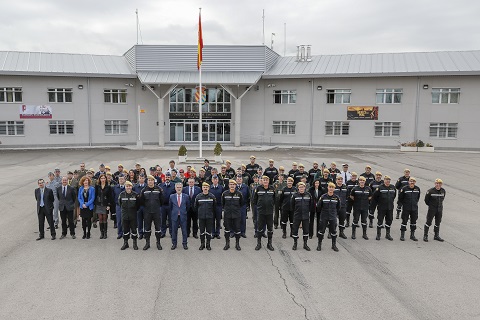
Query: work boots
{"x": 259, "y": 242}
{"x": 159, "y": 246}
{"x": 135, "y": 247}
{"x": 320, "y": 238}
{"x": 227, "y": 242}
{"x": 412, "y": 236}
{"x": 295, "y": 240}
{"x": 284, "y": 230}
{"x": 305, "y": 245}
{"x": 202, "y": 242}
{"x": 437, "y": 234}
{"x": 364, "y": 236}
{"x": 402, "y": 235}
{"x": 334, "y": 244}
{"x": 125, "y": 243}
{"x": 425, "y": 234}
{"x": 354, "y": 229}
{"x": 342, "y": 233}
{"x": 379, "y": 233}
{"x": 147, "y": 243}
{"x": 387, "y": 235}
{"x": 269, "y": 243}
{"x": 208, "y": 242}
{"x": 237, "y": 242}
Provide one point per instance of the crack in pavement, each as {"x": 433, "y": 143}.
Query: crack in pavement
{"x": 472, "y": 254}
{"x": 286, "y": 286}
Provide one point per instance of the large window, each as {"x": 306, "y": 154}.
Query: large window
{"x": 10, "y": 94}
{"x": 284, "y": 96}
{"x": 60, "y": 95}
{"x": 385, "y": 96}
{"x": 11, "y": 128}
{"x": 443, "y": 130}
{"x": 183, "y": 100}
{"x": 445, "y": 95}
{"x": 115, "y": 95}
{"x": 284, "y": 127}
{"x": 340, "y": 96}
{"x": 387, "y": 129}
{"x": 337, "y": 128}
{"x": 188, "y": 130}
{"x": 116, "y": 126}
{"x": 61, "y": 126}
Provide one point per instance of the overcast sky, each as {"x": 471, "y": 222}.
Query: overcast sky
{"x": 330, "y": 26}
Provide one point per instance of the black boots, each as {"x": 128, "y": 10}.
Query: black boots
{"x": 402, "y": 235}
{"x": 320, "y": 238}
{"x": 259, "y": 241}
{"x": 425, "y": 234}
{"x": 354, "y": 228}
{"x": 135, "y": 247}
{"x": 269, "y": 243}
{"x": 159, "y": 246}
{"x": 370, "y": 224}
{"x": 284, "y": 230}
{"x": 334, "y": 244}
{"x": 237, "y": 242}
{"x": 227, "y": 242}
{"x": 364, "y": 236}
{"x": 387, "y": 235}
{"x": 398, "y": 213}
{"x": 412, "y": 236}
{"x": 208, "y": 242}
{"x": 147, "y": 242}
{"x": 379, "y": 233}
{"x": 101, "y": 230}
{"x": 125, "y": 243}
{"x": 437, "y": 234}
{"x": 202, "y": 242}
{"x": 84, "y": 233}
{"x": 305, "y": 246}
{"x": 342, "y": 234}
{"x": 295, "y": 240}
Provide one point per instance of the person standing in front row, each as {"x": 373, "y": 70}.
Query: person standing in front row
{"x": 408, "y": 198}
{"x": 264, "y": 199}
{"x": 66, "y": 204}
{"x": 178, "y": 205}
{"x": 232, "y": 201}
{"x": 434, "y": 200}
{"x": 127, "y": 200}
{"x": 360, "y": 196}
{"x": 103, "y": 202}
{"x": 204, "y": 206}
{"x": 301, "y": 202}
{"x": 328, "y": 206}
{"x": 45, "y": 199}
{"x": 86, "y": 199}
{"x": 384, "y": 199}
{"x": 152, "y": 198}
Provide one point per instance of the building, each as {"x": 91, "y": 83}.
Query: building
{"x": 252, "y": 96}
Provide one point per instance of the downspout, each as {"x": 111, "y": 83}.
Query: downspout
{"x": 89, "y": 106}
{"x": 417, "y": 109}
{"x": 311, "y": 114}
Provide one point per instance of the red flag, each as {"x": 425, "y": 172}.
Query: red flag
{"x": 200, "y": 42}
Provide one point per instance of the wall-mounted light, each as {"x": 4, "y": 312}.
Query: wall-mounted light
{"x": 80, "y": 86}
{"x": 257, "y": 88}
{"x": 425, "y": 86}
{"x": 129, "y": 84}
{"x": 319, "y": 88}
{"x": 271, "y": 85}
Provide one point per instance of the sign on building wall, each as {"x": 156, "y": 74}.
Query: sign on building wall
{"x": 35, "y": 112}
{"x": 196, "y": 115}
{"x": 362, "y": 113}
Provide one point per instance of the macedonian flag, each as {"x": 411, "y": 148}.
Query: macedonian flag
{"x": 200, "y": 41}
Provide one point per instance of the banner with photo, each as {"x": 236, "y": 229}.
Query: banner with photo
{"x": 362, "y": 113}
{"x": 35, "y": 112}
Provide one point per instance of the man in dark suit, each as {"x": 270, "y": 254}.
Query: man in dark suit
{"x": 45, "y": 199}
{"x": 178, "y": 204}
{"x": 66, "y": 196}
{"x": 192, "y": 216}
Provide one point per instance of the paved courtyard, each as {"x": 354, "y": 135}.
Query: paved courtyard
{"x": 90, "y": 279}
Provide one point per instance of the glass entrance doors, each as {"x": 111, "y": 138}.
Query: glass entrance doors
{"x": 212, "y": 130}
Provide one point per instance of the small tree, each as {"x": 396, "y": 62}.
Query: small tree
{"x": 182, "y": 151}
{"x": 420, "y": 144}
{"x": 218, "y": 149}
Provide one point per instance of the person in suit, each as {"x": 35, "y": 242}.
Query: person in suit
{"x": 86, "y": 199}
{"x": 193, "y": 191}
{"x": 45, "y": 199}
{"x": 178, "y": 205}
{"x": 66, "y": 196}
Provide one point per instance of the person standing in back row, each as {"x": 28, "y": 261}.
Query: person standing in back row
{"x": 434, "y": 200}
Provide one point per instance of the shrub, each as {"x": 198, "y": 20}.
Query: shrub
{"x": 182, "y": 151}
{"x": 218, "y": 149}
{"x": 420, "y": 144}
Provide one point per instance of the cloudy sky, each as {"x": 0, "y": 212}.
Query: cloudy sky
{"x": 330, "y": 26}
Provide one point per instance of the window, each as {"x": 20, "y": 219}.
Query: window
{"x": 188, "y": 130}
{"x": 284, "y": 96}
{"x": 340, "y": 96}
{"x": 445, "y": 95}
{"x": 337, "y": 128}
{"x": 389, "y": 96}
{"x": 387, "y": 129}
{"x": 183, "y": 100}
{"x": 61, "y": 127}
{"x": 443, "y": 130}
{"x": 10, "y": 94}
{"x": 116, "y": 126}
{"x": 115, "y": 95}
{"x": 11, "y": 128}
{"x": 284, "y": 127}
{"x": 59, "y": 95}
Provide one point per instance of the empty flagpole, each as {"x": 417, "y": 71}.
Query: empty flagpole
{"x": 199, "y": 65}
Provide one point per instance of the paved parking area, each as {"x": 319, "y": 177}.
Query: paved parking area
{"x": 87, "y": 279}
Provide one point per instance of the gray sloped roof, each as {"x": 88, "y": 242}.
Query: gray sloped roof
{"x": 192, "y": 77}
{"x": 379, "y": 64}
{"x": 63, "y": 64}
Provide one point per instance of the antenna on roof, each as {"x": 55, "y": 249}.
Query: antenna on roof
{"x": 136, "y": 14}
{"x": 139, "y": 31}
{"x": 285, "y": 39}
{"x": 271, "y": 43}
{"x": 263, "y": 27}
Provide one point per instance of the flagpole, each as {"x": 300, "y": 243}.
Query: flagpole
{"x": 200, "y": 138}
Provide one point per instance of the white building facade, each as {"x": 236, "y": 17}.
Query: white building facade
{"x": 252, "y": 96}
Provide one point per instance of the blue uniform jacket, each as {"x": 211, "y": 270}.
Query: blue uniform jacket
{"x": 91, "y": 197}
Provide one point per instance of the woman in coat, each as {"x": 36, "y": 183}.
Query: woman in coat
{"x": 103, "y": 202}
{"x": 86, "y": 199}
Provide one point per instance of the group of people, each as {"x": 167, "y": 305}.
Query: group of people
{"x": 197, "y": 203}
